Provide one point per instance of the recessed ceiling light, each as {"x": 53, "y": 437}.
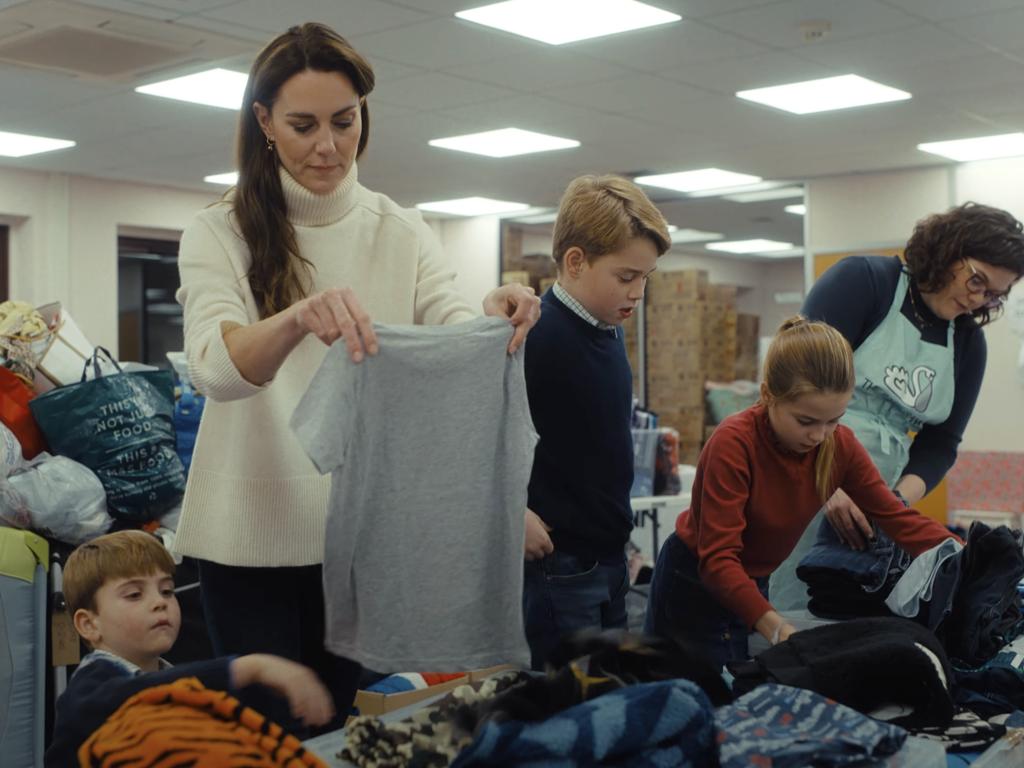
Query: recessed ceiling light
{"x": 505, "y": 142}
{"x": 980, "y": 148}
{"x": 23, "y": 144}
{"x": 565, "y": 21}
{"x": 722, "y": 191}
{"x": 779, "y": 193}
{"x": 472, "y": 206}
{"x": 749, "y": 246}
{"x": 214, "y": 88}
{"x": 693, "y": 181}
{"x": 797, "y": 210}
{"x": 687, "y": 235}
{"x": 824, "y": 95}
{"x": 222, "y": 178}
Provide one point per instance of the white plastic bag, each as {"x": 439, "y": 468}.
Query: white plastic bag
{"x": 10, "y": 451}
{"x": 61, "y": 498}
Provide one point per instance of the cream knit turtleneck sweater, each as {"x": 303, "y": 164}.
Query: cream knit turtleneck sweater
{"x": 253, "y": 497}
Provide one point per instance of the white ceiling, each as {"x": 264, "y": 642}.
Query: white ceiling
{"x": 647, "y": 101}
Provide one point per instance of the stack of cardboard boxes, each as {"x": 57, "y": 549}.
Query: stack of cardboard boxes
{"x": 693, "y": 334}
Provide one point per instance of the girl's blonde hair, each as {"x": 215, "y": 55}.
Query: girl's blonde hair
{"x": 810, "y": 357}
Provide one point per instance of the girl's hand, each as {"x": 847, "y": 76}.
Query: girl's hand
{"x": 850, "y": 524}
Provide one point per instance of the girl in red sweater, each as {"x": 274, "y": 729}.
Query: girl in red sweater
{"x": 760, "y": 479}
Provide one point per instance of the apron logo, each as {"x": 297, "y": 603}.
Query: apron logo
{"x": 915, "y": 389}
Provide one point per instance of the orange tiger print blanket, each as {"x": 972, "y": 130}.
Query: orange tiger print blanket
{"x": 184, "y": 723}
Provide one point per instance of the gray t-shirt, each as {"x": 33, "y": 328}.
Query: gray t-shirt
{"x": 430, "y": 444}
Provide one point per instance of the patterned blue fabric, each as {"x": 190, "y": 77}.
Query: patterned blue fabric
{"x": 652, "y": 725}
{"x": 781, "y": 726}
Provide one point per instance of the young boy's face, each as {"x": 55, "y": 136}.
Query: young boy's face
{"x": 613, "y": 285}
{"x": 137, "y": 618}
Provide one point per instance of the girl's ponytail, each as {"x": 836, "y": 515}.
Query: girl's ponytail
{"x": 808, "y": 357}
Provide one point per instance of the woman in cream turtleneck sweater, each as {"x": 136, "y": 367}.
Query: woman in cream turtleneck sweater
{"x": 297, "y": 256}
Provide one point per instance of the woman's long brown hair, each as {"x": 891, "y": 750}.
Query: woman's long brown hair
{"x": 279, "y": 275}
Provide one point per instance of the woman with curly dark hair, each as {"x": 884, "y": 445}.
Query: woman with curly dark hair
{"x": 919, "y": 351}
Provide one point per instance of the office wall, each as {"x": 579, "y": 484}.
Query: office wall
{"x": 64, "y": 238}
{"x": 64, "y": 232}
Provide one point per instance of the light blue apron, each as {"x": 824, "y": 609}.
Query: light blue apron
{"x": 903, "y": 383}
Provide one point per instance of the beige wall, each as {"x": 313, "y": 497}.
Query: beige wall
{"x": 64, "y": 233}
{"x": 871, "y": 210}
{"x": 473, "y": 245}
{"x": 64, "y": 238}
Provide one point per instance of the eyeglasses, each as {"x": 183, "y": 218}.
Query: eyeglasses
{"x": 978, "y": 283}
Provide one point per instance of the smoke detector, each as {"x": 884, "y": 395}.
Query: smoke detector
{"x": 814, "y": 30}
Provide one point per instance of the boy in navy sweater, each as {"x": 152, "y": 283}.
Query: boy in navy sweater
{"x": 608, "y": 237}
{"x": 119, "y": 590}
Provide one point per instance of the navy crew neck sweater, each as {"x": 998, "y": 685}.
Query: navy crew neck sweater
{"x": 580, "y": 389}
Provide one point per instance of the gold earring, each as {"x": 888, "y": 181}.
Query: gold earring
{"x": 270, "y": 144}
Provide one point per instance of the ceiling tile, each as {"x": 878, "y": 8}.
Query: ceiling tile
{"x": 348, "y": 19}
{"x": 436, "y": 91}
{"x": 644, "y": 96}
{"x": 941, "y": 10}
{"x": 444, "y": 44}
{"x": 778, "y": 25}
{"x": 730, "y": 75}
{"x": 667, "y": 47}
{"x": 1002, "y": 29}
{"x": 957, "y": 78}
{"x": 543, "y": 69}
{"x": 879, "y": 55}
{"x": 168, "y": 9}
{"x": 30, "y": 91}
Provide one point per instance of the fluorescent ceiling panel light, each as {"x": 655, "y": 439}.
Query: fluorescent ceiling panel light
{"x": 506, "y": 142}
{"x": 472, "y": 206}
{"x": 824, "y": 95}
{"x": 687, "y": 235}
{"x": 980, "y": 148}
{"x": 565, "y": 21}
{"x": 800, "y": 209}
{"x": 749, "y": 246}
{"x": 779, "y": 193}
{"x": 214, "y": 88}
{"x": 222, "y": 178}
{"x": 720, "y": 191}
{"x": 23, "y": 144}
{"x": 695, "y": 181}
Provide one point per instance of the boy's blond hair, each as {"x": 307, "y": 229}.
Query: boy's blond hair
{"x": 121, "y": 555}
{"x": 600, "y": 214}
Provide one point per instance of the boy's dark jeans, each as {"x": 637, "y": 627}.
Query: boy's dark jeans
{"x": 563, "y": 593}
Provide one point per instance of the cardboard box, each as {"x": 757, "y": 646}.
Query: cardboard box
{"x": 520, "y": 276}
{"x": 482, "y": 674}
{"x": 372, "y": 703}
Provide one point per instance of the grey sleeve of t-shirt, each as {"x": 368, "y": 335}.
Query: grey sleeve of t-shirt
{"x": 323, "y": 416}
